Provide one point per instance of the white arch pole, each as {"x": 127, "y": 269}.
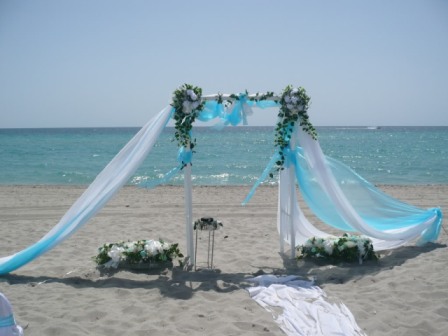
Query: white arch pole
{"x": 188, "y": 190}
{"x": 292, "y": 190}
{"x": 279, "y": 213}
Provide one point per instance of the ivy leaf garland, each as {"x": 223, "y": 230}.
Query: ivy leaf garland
{"x": 294, "y": 104}
{"x": 187, "y": 103}
{"x": 347, "y": 248}
{"x": 259, "y": 97}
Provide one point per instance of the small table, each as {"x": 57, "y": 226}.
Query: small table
{"x": 210, "y": 225}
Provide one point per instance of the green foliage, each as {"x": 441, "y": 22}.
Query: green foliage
{"x": 187, "y": 103}
{"x": 138, "y": 252}
{"x": 264, "y": 96}
{"x": 294, "y": 104}
{"x": 346, "y": 248}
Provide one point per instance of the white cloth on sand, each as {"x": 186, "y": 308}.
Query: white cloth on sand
{"x": 306, "y": 308}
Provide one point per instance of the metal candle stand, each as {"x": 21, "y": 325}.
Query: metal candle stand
{"x": 211, "y": 225}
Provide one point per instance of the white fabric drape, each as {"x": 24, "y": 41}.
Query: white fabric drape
{"x": 316, "y": 162}
{"x": 306, "y": 309}
{"x": 106, "y": 184}
{"x": 290, "y": 213}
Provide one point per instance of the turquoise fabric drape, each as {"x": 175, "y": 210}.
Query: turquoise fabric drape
{"x": 106, "y": 184}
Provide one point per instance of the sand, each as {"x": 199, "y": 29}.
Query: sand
{"x": 63, "y": 293}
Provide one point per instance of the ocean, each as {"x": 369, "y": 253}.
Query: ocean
{"x": 233, "y": 156}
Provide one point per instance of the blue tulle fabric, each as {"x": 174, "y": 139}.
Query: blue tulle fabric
{"x": 184, "y": 157}
{"x": 262, "y": 177}
{"x": 377, "y": 209}
{"x": 7, "y": 321}
{"x": 212, "y": 110}
{"x": 215, "y": 110}
{"x": 102, "y": 189}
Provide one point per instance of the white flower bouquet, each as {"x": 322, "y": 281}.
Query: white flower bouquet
{"x": 336, "y": 249}
{"x": 187, "y": 102}
{"x": 294, "y": 103}
{"x": 137, "y": 253}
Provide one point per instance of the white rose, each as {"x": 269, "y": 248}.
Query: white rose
{"x": 131, "y": 247}
{"x": 186, "y": 107}
{"x": 294, "y": 91}
{"x": 151, "y": 248}
{"x": 193, "y": 96}
{"x": 319, "y": 243}
{"x": 287, "y": 99}
{"x": 308, "y": 244}
{"x": 361, "y": 247}
{"x": 194, "y": 105}
{"x": 350, "y": 244}
{"x": 115, "y": 253}
{"x": 328, "y": 246}
{"x": 290, "y": 106}
{"x": 158, "y": 246}
{"x": 294, "y": 100}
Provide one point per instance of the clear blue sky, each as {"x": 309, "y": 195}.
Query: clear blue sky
{"x": 98, "y": 63}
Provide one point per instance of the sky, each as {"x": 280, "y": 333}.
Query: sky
{"x": 110, "y": 63}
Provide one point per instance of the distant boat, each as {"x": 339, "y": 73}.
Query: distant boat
{"x": 373, "y": 127}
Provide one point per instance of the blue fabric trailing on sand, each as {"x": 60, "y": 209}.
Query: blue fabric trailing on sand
{"x": 106, "y": 184}
{"x": 379, "y": 210}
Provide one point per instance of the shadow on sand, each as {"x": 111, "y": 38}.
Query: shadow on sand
{"x": 179, "y": 283}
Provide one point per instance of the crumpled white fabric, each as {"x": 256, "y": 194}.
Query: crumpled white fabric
{"x": 6, "y": 314}
{"x": 306, "y": 308}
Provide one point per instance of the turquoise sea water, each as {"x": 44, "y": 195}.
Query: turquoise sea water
{"x": 233, "y": 156}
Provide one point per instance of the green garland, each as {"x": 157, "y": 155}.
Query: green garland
{"x": 294, "y": 104}
{"x": 187, "y": 103}
{"x": 264, "y": 96}
{"x": 348, "y": 248}
{"x": 138, "y": 252}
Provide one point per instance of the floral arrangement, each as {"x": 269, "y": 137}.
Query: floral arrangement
{"x": 187, "y": 103}
{"x": 346, "y": 248}
{"x": 139, "y": 252}
{"x": 294, "y": 104}
{"x": 207, "y": 223}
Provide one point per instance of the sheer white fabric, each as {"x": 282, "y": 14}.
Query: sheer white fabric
{"x": 290, "y": 214}
{"x": 315, "y": 159}
{"x": 8, "y": 326}
{"x": 106, "y": 184}
{"x": 306, "y": 309}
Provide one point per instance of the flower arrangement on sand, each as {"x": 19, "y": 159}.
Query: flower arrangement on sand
{"x": 137, "y": 253}
{"x": 347, "y": 248}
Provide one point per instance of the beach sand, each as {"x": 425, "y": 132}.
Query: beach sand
{"x": 62, "y": 292}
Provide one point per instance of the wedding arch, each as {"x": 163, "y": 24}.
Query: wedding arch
{"x": 336, "y": 194}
